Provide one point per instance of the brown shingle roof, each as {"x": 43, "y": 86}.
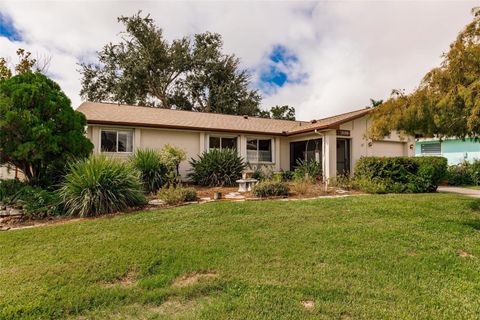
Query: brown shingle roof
{"x": 113, "y": 114}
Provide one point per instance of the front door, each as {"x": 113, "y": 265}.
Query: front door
{"x": 343, "y": 156}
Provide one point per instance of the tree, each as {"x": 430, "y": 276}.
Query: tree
{"x": 25, "y": 64}
{"x": 145, "y": 69}
{"x": 282, "y": 112}
{"x": 39, "y": 130}
{"x": 375, "y": 103}
{"x": 447, "y": 101}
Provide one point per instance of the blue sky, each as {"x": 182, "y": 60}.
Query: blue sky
{"x": 282, "y": 67}
{"x": 322, "y": 58}
{"x": 7, "y": 29}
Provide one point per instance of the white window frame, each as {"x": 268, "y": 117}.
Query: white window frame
{"x": 272, "y": 141}
{"x": 431, "y": 154}
{"x": 223, "y": 136}
{"x": 117, "y": 130}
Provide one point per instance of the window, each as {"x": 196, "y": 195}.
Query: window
{"x": 116, "y": 141}
{"x": 259, "y": 150}
{"x": 216, "y": 142}
{"x": 431, "y": 148}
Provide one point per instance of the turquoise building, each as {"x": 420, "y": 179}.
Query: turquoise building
{"x": 455, "y": 150}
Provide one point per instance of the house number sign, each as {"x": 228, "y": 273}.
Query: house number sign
{"x": 343, "y": 133}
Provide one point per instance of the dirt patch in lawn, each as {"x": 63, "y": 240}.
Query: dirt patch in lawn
{"x": 308, "y": 304}
{"x": 464, "y": 254}
{"x": 127, "y": 280}
{"x": 193, "y": 278}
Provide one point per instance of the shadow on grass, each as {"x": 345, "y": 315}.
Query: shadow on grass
{"x": 475, "y": 205}
{"x": 474, "y": 224}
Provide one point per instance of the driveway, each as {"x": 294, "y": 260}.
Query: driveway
{"x": 459, "y": 190}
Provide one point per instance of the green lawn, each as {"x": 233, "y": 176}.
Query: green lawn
{"x": 472, "y": 187}
{"x": 389, "y": 257}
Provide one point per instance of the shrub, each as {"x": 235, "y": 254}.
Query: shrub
{"x": 258, "y": 174}
{"x": 99, "y": 185}
{"x": 343, "y": 181}
{"x": 475, "y": 171}
{"x": 432, "y": 170}
{"x": 171, "y": 157}
{"x": 174, "y": 196}
{"x": 38, "y": 202}
{"x": 374, "y": 185}
{"x": 8, "y": 189}
{"x": 399, "y": 174}
{"x": 308, "y": 168}
{"x": 261, "y": 171}
{"x": 152, "y": 170}
{"x": 270, "y": 189}
{"x": 287, "y": 175}
{"x": 302, "y": 186}
{"x": 217, "y": 168}
{"x": 464, "y": 174}
{"x": 35, "y": 201}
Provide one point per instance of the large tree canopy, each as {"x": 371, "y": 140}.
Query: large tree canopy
{"x": 447, "y": 101}
{"x": 281, "y": 112}
{"x": 39, "y": 130}
{"x": 190, "y": 74}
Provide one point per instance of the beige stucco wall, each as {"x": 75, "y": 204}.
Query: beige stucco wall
{"x": 187, "y": 140}
{"x": 193, "y": 142}
{"x": 6, "y": 173}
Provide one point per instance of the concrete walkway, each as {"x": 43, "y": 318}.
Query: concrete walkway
{"x": 463, "y": 191}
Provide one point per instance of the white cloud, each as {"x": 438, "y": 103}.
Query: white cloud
{"x": 352, "y": 51}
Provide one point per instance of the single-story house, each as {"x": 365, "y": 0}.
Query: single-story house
{"x": 337, "y": 142}
{"x": 454, "y": 149}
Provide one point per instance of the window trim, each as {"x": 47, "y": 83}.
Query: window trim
{"x": 116, "y": 131}
{"x": 223, "y": 136}
{"x": 272, "y": 141}
{"x": 431, "y": 154}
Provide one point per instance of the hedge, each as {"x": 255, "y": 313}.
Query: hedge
{"x": 400, "y": 174}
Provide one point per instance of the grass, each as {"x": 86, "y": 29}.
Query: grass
{"x": 380, "y": 257}
{"x": 472, "y": 187}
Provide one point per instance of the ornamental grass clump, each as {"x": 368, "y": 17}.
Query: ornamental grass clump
{"x": 99, "y": 185}
{"x": 153, "y": 171}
